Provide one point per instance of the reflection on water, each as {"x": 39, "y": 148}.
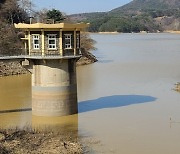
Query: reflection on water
{"x": 55, "y": 124}
{"x": 15, "y": 101}
{"x": 15, "y": 108}
{"x": 15, "y": 92}
{"x": 15, "y": 120}
{"x": 105, "y": 61}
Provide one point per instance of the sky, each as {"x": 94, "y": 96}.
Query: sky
{"x": 79, "y": 6}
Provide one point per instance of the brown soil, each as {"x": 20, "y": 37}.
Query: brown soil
{"x": 16, "y": 142}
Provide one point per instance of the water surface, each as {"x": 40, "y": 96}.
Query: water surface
{"x": 125, "y": 100}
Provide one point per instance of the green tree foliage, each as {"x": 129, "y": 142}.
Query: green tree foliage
{"x": 126, "y": 23}
{"x": 56, "y": 15}
{"x": 136, "y": 16}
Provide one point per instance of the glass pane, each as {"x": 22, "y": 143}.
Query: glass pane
{"x": 36, "y": 46}
{"x": 67, "y": 41}
{"x": 51, "y": 36}
{"x": 35, "y": 36}
{"x": 51, "y": 41}
{"x": 67, "y": 36}
{"x": 36, "y": 41}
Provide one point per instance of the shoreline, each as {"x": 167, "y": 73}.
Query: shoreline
{"x": 108, "y": 32}
{"x": 173, "y": 32}
{"x": 29, "y": 141}
{"x": 142, "y": 32}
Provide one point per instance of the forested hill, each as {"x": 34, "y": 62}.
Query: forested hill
{"x": 136, "y": 16}
{"x": 149, "y": 4}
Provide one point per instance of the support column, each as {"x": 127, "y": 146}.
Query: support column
{"x": 54, "y": 94}
{"x": 60, "y": 42}
{"x": 25, "y": 46}
{"x": 75, "y": 50}
{"x": 43, "y": 42}
{"x": 29, "y": 42}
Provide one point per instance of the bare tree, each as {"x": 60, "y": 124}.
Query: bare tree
{"x": 41, "y": 15}
{"x": 87, "y": 43}
{"x": 26, "y": 5}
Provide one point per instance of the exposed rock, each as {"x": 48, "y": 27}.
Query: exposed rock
{"x": 177, "y": 86}
{"x": 2, "y": 137}
{"x": 87, "y": 58}
{"x": 10, "y": 67}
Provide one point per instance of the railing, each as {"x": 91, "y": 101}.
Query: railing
{"x": 33, "y": 53}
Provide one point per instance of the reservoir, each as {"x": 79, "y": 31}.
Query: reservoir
{"x": 126, "y": 100}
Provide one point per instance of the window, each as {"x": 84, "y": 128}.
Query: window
{"x": 77, "y": 41}
{"x": 68, "y": 41}
{"x": 36, "y": 41}
{"x": 52, "y": 41}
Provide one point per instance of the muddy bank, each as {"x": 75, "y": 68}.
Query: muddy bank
{"x": 15, "y": 142}
{"x": 174, "y": 32}
{"x": 177, "y": 86}
{"x": 10, "y": 67}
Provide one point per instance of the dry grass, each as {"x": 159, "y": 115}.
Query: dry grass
{"x": 27, "y": 141}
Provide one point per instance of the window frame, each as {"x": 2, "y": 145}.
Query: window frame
{"x": 36, "y": 46}
{"x": 54, "y": 39}
{"x": 68, "y": 45}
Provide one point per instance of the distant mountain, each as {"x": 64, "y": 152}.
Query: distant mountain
{"x": 84, "y": 16}
{"x": 149, "y": 4}
{"x": 138, "y": 15}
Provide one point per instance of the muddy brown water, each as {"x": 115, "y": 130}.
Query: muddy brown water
{"x": 126, "y": 99}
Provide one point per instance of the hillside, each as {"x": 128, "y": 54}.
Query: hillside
{"x": 136, "y": 16}
{"x": 148, "y": 5}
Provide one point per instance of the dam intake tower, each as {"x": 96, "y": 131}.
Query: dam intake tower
{"x": 50, "y": 53}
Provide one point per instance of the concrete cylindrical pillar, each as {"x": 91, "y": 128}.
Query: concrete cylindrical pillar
{"x": 54, "y": 87}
